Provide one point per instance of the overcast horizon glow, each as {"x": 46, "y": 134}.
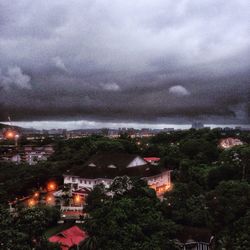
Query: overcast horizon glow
{"x": 73, "y": 125}
{"x": 131, "y": 62}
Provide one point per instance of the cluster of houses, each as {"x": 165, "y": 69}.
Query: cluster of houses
{"x": 29, "y": 154}
{"x": 103, "y": 168}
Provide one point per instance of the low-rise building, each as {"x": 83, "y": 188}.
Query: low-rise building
{"x": 34, "y": 154}
{"x": 230, "y": 142}
{"x": 103, "y": 168}
{"x": 70, "y": 238}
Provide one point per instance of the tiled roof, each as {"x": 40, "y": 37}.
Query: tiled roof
{"x": 68, "y": 238}
{"x": 98, "y": 166}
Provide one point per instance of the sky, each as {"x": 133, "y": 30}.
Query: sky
{"x": 128, "y": 62}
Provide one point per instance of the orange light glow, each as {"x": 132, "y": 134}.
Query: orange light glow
{"x": 36, "y": 194}
{"x": 49, "y": 199}
{"x": 162, "y": 189}
{"x": 31, "y": 202}
{"x": 10, "y": 135}
{"x": 51, "y": 186}
{"x": 77, "y": 199}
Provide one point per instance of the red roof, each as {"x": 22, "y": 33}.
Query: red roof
{"x": 68, "y": 238}
{"x": 150, "y": 159}
{"x": 69, "y": 213}
{"x": 81, "y": 191}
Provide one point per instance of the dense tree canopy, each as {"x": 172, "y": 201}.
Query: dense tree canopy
{"x": 131, "y": 219}
{"x": 26, "y": 229}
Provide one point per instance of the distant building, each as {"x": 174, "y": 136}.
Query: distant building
{"x": 69, "y": 238}
{"x": 197, "y": 125}
{"x": 34, "y": 154}
{"x": 230, "y": 142}
{"x": 16, "y": 159}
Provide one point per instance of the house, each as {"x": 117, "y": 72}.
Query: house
{"x": 230, "y": 142}
{"x": 71, "y": 202}
{"x": 34, "y": 154}
{"x": 16, "y": 158}
{"x": 104, "y": 167}
{"x": 69, "y": 238}
{"x": 193, "y": 238}
{"x": 152, "y": 160}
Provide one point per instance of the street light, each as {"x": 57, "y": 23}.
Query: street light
{"x": 77, "y": 199}
{"x": 31, "y": 202}
{"x": 51, "y": 186}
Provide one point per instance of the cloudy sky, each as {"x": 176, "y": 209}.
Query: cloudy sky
{"x": 141, "y": 61}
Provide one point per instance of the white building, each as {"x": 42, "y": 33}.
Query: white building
{"x": 104, "y": 167}
{"x": 34, "y": 154}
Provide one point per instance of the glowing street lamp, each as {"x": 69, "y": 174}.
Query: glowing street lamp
{"x": 51, "y": 186}
{"x": 49, "y": 199}
{"x": 10, "y": 135}
{"x": 36, "y": 194}
{"x": 31, "y": 202}
{"x": 77, "y": 199}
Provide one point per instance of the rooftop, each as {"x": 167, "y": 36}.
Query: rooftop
{"x": 69, "y": 238}
{"x": 110, "y": 165}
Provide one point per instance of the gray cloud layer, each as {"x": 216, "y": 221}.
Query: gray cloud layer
{"x": 137, "y": 61}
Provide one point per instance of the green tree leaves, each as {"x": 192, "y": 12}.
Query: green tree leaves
{"x": 132, "y": 219}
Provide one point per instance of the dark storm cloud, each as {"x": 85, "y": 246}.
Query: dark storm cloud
{"x": 138, "y": 61}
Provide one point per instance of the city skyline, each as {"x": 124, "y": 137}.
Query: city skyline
{"x": 75, "y": 125}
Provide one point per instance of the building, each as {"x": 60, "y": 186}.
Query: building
{"x": 16, "y": 159}
{"x": 197, "y": 125}
{"x": 152, "y": 160}
{"x": 70, "y": 238}
{"x": 103, "y": 168}
{"x": 230, "y": 142}
{"x": 193, "y": 238}
{"x": 34, "y": 154}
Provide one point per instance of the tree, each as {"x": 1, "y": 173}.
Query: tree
{"x": 25, "y": 230}
{"x": 201, "y": 150}
{"x": 185, "y": 205}
{"x": 228, "y": 202}
{"x": 34, "y": 222}
{"x": 129, "y": 220}
{"x": 89, "y": 244}
{"x": 240, "y": 237}
{"x": 238, "y": 158}
{"x": 95, "y": 198}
